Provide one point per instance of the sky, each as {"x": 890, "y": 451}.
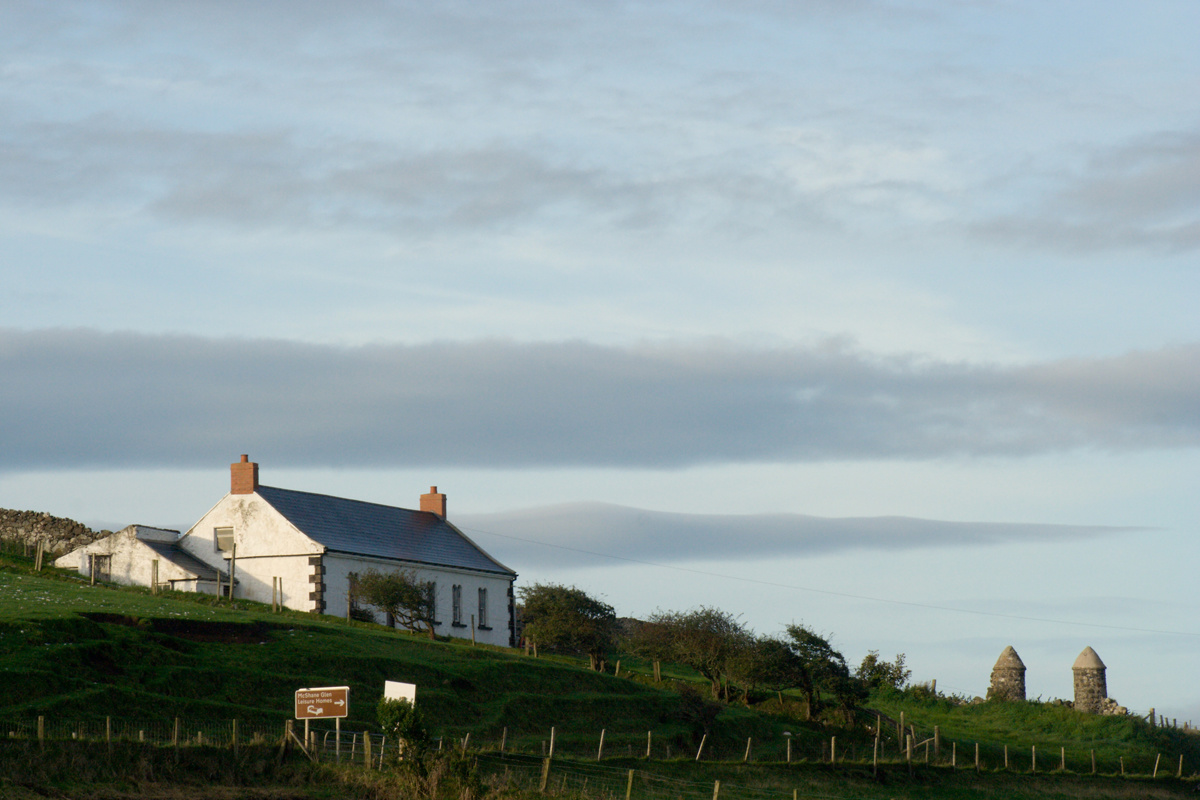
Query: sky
{"x": 874, "y": 316}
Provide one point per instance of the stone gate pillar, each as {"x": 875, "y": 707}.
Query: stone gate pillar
{"x": 1091, "y": 686}
{"x": 1008, "y": 677}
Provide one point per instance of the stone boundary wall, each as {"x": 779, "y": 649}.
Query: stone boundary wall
{"x": 59, "y": 534}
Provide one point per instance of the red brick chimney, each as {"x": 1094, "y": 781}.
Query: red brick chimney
{"x": 243, "y": 477}
{"x": 434, "y": 502}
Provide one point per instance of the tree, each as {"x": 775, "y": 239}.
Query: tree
{"x": 766, "y": 663}
{"x": 707, "y": 640}
{"x": 405, "y": 599}
{"x": 876, "y": 673}
{"x": 564, "y": 619}
{"x": 824, "y": 669}
{"x": 653, "y": 641}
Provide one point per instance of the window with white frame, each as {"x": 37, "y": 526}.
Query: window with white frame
{"x": 483, "y": 623}
{"x": 224, "y": 539}
{"x": 456, "y": 605}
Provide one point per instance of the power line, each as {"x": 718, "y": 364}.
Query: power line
{"x": 830, "y": 592}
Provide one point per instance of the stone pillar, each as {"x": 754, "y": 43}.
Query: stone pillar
{"x": 1091, "y": 687}
{"x": 1008, "y": 677}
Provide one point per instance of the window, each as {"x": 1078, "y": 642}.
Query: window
{"x": 483, "y": 608}
{"x": 433, "y": 615}
{"x": 224, "y": 539}
{"x": 456, "y": 605}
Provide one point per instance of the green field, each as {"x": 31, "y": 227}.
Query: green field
{"x": 86, "y": 657}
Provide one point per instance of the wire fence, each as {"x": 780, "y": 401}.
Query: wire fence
{"x": 599, "y": 768}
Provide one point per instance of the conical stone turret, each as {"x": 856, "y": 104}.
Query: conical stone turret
{"x": 1091, "y": 686}
{"x": 1008, "y": 677}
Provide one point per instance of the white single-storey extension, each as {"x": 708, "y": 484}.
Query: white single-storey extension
{"x": 301, "y": 549}
{"x": 143, "y": 556}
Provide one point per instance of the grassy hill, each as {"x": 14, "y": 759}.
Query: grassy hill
{"x": 78, "y": 654}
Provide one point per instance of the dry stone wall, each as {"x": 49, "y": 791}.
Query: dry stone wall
{"x": 58, "y": 534}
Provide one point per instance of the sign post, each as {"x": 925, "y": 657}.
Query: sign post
{"x": 323, "y": 702}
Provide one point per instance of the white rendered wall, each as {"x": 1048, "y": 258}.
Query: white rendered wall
{"x": 268, "y": 546}
{"x": 338, "y": 568}
{"x": 131, "y": 561}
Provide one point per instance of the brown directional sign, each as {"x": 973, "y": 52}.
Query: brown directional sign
{"x": 322, "y": 702}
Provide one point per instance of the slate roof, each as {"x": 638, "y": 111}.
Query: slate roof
{"x": 359, "y": 528}
{"x": 170, "y": 551}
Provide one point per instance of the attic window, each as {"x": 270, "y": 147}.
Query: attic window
{"x": 224, "y": 538}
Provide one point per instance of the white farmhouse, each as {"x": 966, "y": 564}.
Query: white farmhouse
{"x": 300, "y": 549}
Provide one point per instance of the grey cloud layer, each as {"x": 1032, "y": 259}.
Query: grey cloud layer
{"x": 583, "y": 534}
{"x": 77, "y": 397}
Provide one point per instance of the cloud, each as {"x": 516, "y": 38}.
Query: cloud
{"x": 83, "y": 398}
{"x": 599, "y": 534}
{"x": 1141, "y": 194}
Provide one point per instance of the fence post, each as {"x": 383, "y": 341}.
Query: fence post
{"x": 953, "y": 755}
{"x": 700, "y": 749}
{"x": 1093, "y": 762}
{"x": 937, "y": 742}
{"x": 1063, "y": 764}
{"x": 600, "y": 749}
{"x": 1179, "y": 772}
{"x": 1157, "y": 758}
{"x": 108, "y": 732}
{"x": 648, "y": 740}
{"x": 503, "y": 739}
{"x": 832, "y": 749}
{"x": 1033, "y": 756}
{"x": 1006, "y": 756}
{"x": 235, "y": 739}
{"x": 466, "y": 741}
{"x": 545, "y": 775}
{"x": 716, "y": 789}
{"x": 41, "y": 731}
{"x": 746, "y": 758}
{"x": 977, "y": 756}
{"x": 1122, "y": 765}
{"x": 874, "y": 758}
{"x": 367, "y": 749}
{"x": 789, "y": 748}
{"x": 551, "y": 743}
{"x": 175, "y": 734}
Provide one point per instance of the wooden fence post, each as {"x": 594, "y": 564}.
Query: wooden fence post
{"x": 600, "y": 749}
{"x": 832, "y": 749}
{"x": 1179, "y": 772}
{"x": 1122, "y": 765}
{"x": 175, "y": 734}
{"x": 1006, "y": 756}
{"x": 551, "y": 743}
{"x": 1033, "y": 756}
{"x": 716, "y": 789}
{"x": 629, "y": 786}
{"x": 977, "y": 756}
{"x": 1093, "y": 762}
{"x": 1063, "y": 764}
{"x": 234, "y": 739}
{"x": 545, "y": 776}
{"x": 367, "y": 749}
{"x": 1157, "y": 758}
{"x": 648, "y": 735}
{"x": 700, "y": 749}
{"x": 746, "y": 758}
{"x": 789, "y": 749}
{"x": 41, "y": 731}
{"x": 874, "y": 758}
{"x": 503, "y": 739}
{"x": 937, "y": 742}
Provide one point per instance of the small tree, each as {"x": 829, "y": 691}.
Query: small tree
{"x": 766, "y": 663}
{"x": 707, "y": 640}
{"x": 876, "y": 673}
{"x": 823, "y": 668}
{"x": 564, "y": 619}
{"x": 407, "y": 600}
{"x": 401, "y": 720}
